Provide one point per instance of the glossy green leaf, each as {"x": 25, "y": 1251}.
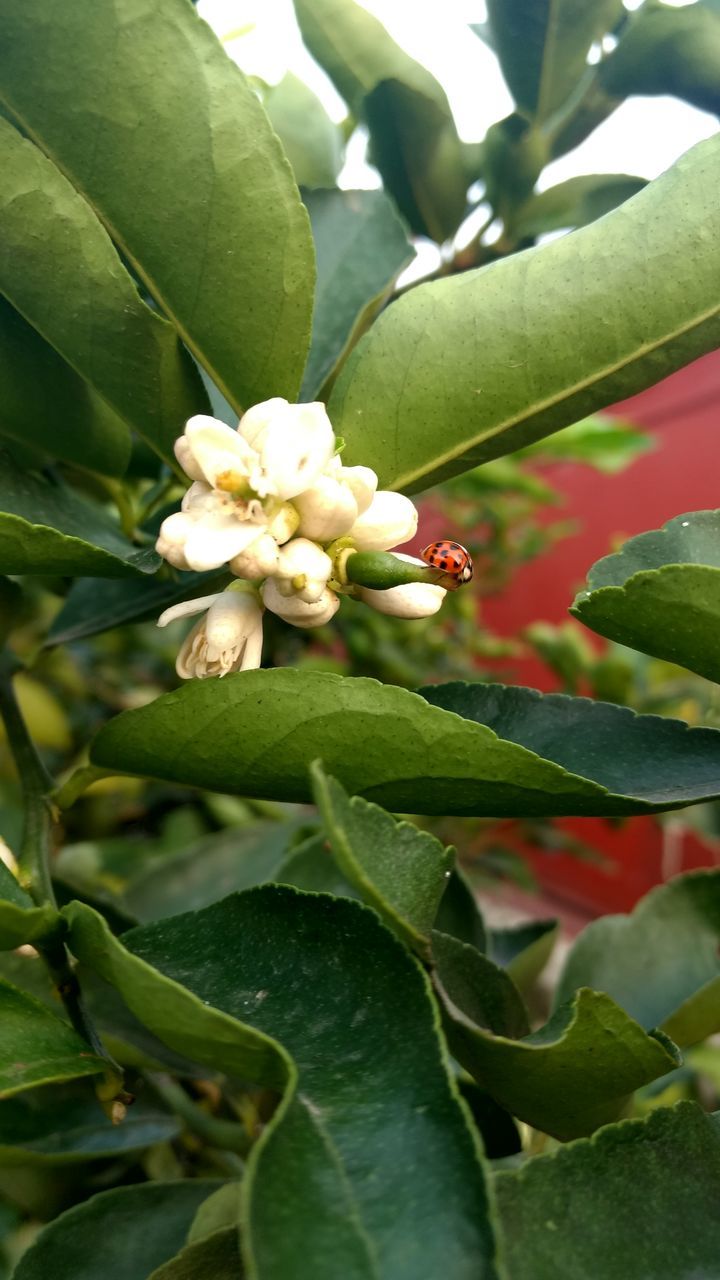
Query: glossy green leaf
{"x": 321, "y": 1179}
{"x": 361, "y": 246}
{"x": 311, "y": 141}
{"x": 462, "y": 370}
{"x": 665, "y": 49}
{"x": 45, "y": 527}
{"x": 661, "y": 593}
{"x": 86, "y": 613}
{"x": 160, "y": 131}
{"x": 36, "y": 1046}
{"x": 482, "y": 755}
{"x": 639, "y": 1200}
{"x": 575, "y": 203}
{"x": 414, "y": 141}
{"x": 66, "y": 1126}
{"x": 543, "y": 46}
{"x": 398, "y": 869}
{"x": 59, "y": 268}
{"x": 662, "y": 962}
{"x": 524, "y": 950}
{"x": 122, "y": 1234}
{"x": 209, "y": 869}
{"x": 220, "y": 1210}
{"x": 217, "y": 1257}
{"x": 572, "y": 1075}
{"x": 44, "y": 403}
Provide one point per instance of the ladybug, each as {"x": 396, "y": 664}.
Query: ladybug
{"x": 452, "y": 558}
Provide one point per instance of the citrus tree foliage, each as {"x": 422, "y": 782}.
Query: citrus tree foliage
{"x": 254, "y": 1023}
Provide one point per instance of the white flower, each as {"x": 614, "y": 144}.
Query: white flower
{"x": 303, "y": 570}
{"x": 301, "y": 613}
{"x": 390, "y": 520}
{"x": 228, "y": 638}
{"x": 413, "y": 600}
{"x": 221, "y": 456}
{"x": 326, "y": 510}
{"x": 362, "y": 482}
{"x": 259, "y": 561}
{"x": 211, "y": 529}
{"x": 293, "y": 442}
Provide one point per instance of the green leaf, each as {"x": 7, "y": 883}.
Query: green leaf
{"x": 566, "y": 1079}
{"x": 311, "y": 866}
{"x": 575, "y": 203}
{"x": 482, "y": 755}
{"x": 459, "y": 913}
{"x": 11, "y": 891}
{"x": 45, "y": 527}
{"x": 524, "y": 950}
{"x": 220, "y": 1210}
{"x": 160, "y": 131}
{"x": 60, "y": 270}
{"x": 667, "y": 50}
{"x": 321, "y": 1178}
{"x": 661, "y": 593}
{"x": 462, "y": 370}
{"x": 85, "y": 613}
{"x": 217, "y": 1257}
{"x": 474, "y": 988}
{"x": 415, "y": 147}
{"x": 414, "y": 140}
{"x": 361, "y": 246}
{"x": 662, "y": 962}
{"x": 66, "y": 1126}
{"x": 209, "y": 869}
{"x": 20, "y": 925}
{"x": 37, "y": 1047}
{"x": 311, "y": 141}
{"x": 397, "y": 869}
{"x": 122, "y": 1234}
{"x": 45, "y": 404}
{"x": 543, "y": 46}
{"x": 612, "y": 1207}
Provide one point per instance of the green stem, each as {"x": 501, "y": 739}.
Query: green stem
{"x": 226, "y": 1135}
{"x": 35, "y": 782}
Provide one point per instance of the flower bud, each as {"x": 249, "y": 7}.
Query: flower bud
{"x": 260, "y": 560}
{"x": 294, "y": 442}
{"x": 327, "y": 510}
{"x": 171, "y": 539}
{"x": 299, "y": 612}
{"x": 303, "y": 558}
{"x": 390, "y": 519}
{"x": 186, "y": 458}
{"x": 362, "y": 483}
{"x": 413, "y": 600}
{"x": 284, "y": 523}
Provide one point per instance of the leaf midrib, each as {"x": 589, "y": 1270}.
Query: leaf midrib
{"x": 118, "y": 240}
{"x": 567, "y": 393}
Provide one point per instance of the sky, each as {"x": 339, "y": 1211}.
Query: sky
{"x": 644, "y": 136}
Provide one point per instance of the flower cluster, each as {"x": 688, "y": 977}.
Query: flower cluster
{"x": 273, "y": 502}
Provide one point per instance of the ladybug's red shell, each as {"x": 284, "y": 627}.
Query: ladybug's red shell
{"x": 451, "y": 557}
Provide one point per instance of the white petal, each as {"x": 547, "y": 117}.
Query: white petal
{"x": 214, "y": 541}
{"x": 362, "y": 482}
{"x": 186, "y": 609}
{"x": 260, "y": 560}
{"x": 223, "y": 456}
{"x": 295, "y": 443}
{"x": 299, "y": 612}
{"x": 227, "y": 639}
{"x": 186, "y": 458}
{"x": 284, "y": 523}
{"x": 303, "y": 557}
{"x": 327, "y": 510}
{"x": 414, "y": 600}
{"x": 390, "y": 519}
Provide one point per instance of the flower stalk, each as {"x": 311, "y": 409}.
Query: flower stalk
{"x": 381, "y": 570}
